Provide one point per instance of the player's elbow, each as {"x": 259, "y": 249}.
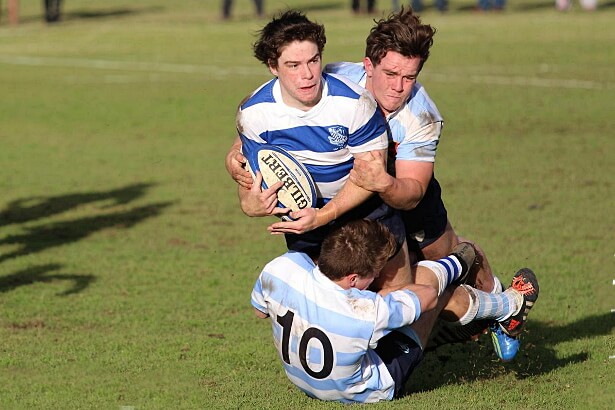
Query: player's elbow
{"x": 429, "y": 298}
{"x": 405, "y": 195}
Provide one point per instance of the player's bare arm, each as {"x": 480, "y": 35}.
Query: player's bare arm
{"x": 349, "y": 197}
{"x": 407, "y": 189}
{"x": 369, "y": 174}
{"x": 235, "y": 163}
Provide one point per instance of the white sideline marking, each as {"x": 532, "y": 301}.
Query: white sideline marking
{"x": 524, "y": 81}
{"x": 142, "y": 66}
{"x": 217, "y": 71}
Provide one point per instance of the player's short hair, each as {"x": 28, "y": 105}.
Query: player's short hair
{"x": 283, "y": 29}
{"x": 401, "y": 32}
{"x": 361, "y": 246}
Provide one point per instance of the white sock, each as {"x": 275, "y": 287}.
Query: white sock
{"x": 447, "y": 270}
{"x": 472, "y": 310}
{"x": 497, "y": 285}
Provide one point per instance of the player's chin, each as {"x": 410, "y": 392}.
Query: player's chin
{"x": 392, "y": 104}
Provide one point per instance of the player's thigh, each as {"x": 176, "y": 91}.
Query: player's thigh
{"x": 442, "y": 246}
{"x": 395, "y": 274}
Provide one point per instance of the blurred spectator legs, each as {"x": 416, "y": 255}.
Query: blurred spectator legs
{"x": 227, "y": 6}
{"x": 441, "y": 5}
{"x": 12, "y": 12}
{"x": 356, "y": 6}
{"x": 487, "y": 5}
{"x": 52, "y": 10}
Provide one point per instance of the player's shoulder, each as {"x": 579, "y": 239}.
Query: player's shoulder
{"x": 420, "y": 98}
{"x": 350, "y": 97}
{"x": 263, "y": 94}
{"x": 353, "y": 71}
{"x": 291, "y": 261}
{"x": 365, "y": 294}
{"x": 418, "y": 107}
{"x": 340, "y": 86}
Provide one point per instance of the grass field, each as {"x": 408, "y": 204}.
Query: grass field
{"x": 126, "y": 265}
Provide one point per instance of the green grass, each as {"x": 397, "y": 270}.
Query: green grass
{"x": 126, "y": 265}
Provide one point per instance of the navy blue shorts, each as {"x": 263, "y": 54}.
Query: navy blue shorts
{"x": 373, "y": 209}
{"x": 401, "y": 355}
{"x": 427, "y": 221}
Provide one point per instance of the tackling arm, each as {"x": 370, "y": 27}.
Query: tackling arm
{"x": 349, "y": 197}
{"x": 407, "y": 189}
{"x": 402, "y": 192}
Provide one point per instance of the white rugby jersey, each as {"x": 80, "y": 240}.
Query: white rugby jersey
{"x": 346, "y": 121}
{"x": 325, "y": 335}
{"x": 415, "y": 126}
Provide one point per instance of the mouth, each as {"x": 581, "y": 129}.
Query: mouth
{"x": 308, "y": 87}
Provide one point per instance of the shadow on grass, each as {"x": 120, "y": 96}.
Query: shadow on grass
{"x": 39, "y": 274}
{"x": 474, "y": 361}
{"x": 99, "y": 14}
{"x": 43, "y": 236}
{"x": 34, "y": 208}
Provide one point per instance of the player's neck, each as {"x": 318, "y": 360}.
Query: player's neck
{"x": 343, "y": 283}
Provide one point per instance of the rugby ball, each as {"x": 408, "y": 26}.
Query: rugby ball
{"x": 276, "y": 164}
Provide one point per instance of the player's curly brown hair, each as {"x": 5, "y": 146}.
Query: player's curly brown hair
{"x": 285, "y": 28}
{"x": 401, "y": 32}
{"x": 361, "y": 246}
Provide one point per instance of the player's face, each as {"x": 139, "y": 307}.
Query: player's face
{"x": 299, "y": 71}
{"x": 392, "y": 80}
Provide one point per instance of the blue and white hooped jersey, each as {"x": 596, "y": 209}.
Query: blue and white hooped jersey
{"x": 415, "y": 127}
{"x": 346, "y": 121}
{"x": 325, "y": 335}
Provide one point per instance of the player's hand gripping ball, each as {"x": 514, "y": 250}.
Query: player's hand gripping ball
{"x": 276, "y": 164}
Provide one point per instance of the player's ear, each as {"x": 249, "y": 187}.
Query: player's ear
{"x": 352, "y": 279}
{"x": 369, "y": 67}
{"x": 273, "y": 69}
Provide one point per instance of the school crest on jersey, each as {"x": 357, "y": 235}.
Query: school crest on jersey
{"x": 338, "y": 136}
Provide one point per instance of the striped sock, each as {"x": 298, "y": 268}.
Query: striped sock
{"x": 447, "y": 270}
{"x": 497, "y": 306}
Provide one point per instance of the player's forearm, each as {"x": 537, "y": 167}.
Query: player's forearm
{"x": 247, "y": 203}
{"x": 235, "y": 148}
{"x": 260, "y": 315}
{"x": 402, "y": 193}
{"x": 349, "y": 197}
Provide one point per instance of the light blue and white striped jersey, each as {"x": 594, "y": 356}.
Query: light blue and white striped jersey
{"x": 346, "y": 121}
{"x": 325, "y": 335}
{"x": 415, "y": 127}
